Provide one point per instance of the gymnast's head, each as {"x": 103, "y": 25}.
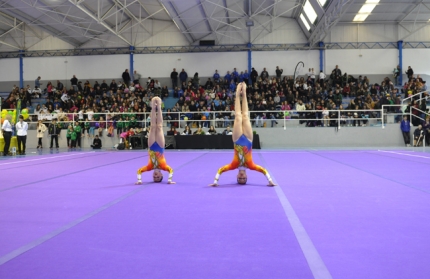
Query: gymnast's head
{"x": 157, "y": 176}
{"x": 242, "y": 177}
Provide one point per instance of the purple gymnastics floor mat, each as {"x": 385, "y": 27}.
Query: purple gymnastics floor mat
{"x": 334, "y": 214}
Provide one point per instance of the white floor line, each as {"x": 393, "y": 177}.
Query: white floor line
{"x": 45, "y": 158}
{"x": 316, "y": 264}
{"x": 404, "y": 154}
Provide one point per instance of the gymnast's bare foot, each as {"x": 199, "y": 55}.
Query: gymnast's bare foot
{"x": 271, "y": 183}
{"x": 138, "y": 183}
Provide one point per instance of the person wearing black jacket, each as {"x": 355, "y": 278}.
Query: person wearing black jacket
{"x": 74, "y": 83}
{"x": 410, "y": 72}
{"x": 426, "y": 128}
{"x": 54, "y": 130}
{"x": 279, "y": 72}
{"x": 113, "y": 86}
{"x": 254, "y": 76}
{"x": 126, "y": 77}
{"x": 104, "y": 86}
{"x": 418, "y": 135}
{"x": 174, "y": 78}
{"x": 97, "y": 143}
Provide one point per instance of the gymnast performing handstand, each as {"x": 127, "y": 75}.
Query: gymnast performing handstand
{"x": 242, "y": 138}
{"x": 156, "y": 161}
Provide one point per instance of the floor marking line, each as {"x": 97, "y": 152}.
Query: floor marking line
{"x": 397, "y": 158}
{"x": 315, "y": 262}
{"x": 377, "y": 175}
{"x": 92, "y": 155}
{"x": 15, "y": 253}
{"x": 21, "y": 250}
{"x": 404, "y": 154}
{"x": 45, "y": 158}
{"x": 67, "y": 174}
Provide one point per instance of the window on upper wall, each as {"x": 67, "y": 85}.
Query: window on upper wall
{"x": 310, "y": 12}
{"x": 305, "y": 22}
{"x": 322, "y": 2}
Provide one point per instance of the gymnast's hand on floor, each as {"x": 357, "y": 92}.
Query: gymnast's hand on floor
{"x": 171, "y": 182}
{"x": 271, "y": 183}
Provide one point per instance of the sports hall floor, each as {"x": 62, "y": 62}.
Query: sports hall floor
{"x": 362, "y": 213}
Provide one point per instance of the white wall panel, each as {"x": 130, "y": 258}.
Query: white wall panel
{"x": 161, "y": 65}
{"x": 9, "y": 69}
{"x": 362, "y": 61}
{"x": 162, "y": 34}
{"x": 285, "y": 31}
{"x": 421, "y": 33}
{"x": 286, "y": 60}
{"x": 363, "y": 33}
{"x": 50, "y": 43}
{"x": 418, "y": 59}
{"x": 84, "y": 67}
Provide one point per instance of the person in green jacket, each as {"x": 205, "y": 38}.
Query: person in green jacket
{"x": 119, "y": 127}
{"x": 87, "y": 128}
{"x": 133, "y": 122}
{"x": 69, "y": 135}
{"x": 78, "y": 130}
{"x": 126, "y": 124}
{"x": 73, "y": 137}
{"x": 338, "y": 98}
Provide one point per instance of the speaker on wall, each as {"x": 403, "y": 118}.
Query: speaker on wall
{"x": 207, "y": 42}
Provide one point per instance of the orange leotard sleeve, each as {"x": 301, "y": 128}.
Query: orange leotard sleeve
{"x": 162, "y": 165}
{"x": 253, "y": 166}
{"x": 232, "y": 166}
{"x": 148, "y": 167}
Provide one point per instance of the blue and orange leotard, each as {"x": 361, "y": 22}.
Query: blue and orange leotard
{"x": 242, "y": 159}
{"x": 156, "y": 161}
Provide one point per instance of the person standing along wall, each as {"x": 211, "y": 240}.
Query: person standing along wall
{"x": 41, "y": 129}
{"x": 78, "y": 130}
{"x": 174, "y": 77}
{"x": 7, "y": 134}
{"x": 126, "y": 77}
{"x": 21, "y": 131}
{"x": 54, "y": 131}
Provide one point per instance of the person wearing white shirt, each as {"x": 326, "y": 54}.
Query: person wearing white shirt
{"x": 21, "y": 131}
{"x": 7, "y": 134}
{"x": 90, "y": 114}
{"x": 322, "y": 78}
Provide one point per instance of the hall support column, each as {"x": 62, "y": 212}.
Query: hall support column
{"x": 249, "y": 45}
{"x": 132, "y": 62}
{"x": 400, "y": 47}
{"x": 21, "y": 68}
{"x": 321, "y": 46}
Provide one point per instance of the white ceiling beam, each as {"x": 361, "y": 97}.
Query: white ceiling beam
{"x": 12, "y": 29}
{"x": 190, "y": 37}
{"x": 411, "y": 11}
{"x": 100, "y": 21}
{"x": 141, "y": 21}
{"x": 226, "y": 11}
{"x": 205, "y": 14}
{"x": 330, "y": 18}
{"x": 131, "y": 15}
{"x": 9, "y": 45}
{"x": 17, "y": 13}
{"x": 117, "y": 11}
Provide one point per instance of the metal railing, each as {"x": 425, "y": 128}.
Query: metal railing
{"x": 311, "y": 118}
{"x": 417, "y": 94}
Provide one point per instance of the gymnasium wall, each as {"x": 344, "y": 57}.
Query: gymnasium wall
{"x": 375, "y": 63}
{"x": 299, "y": 137}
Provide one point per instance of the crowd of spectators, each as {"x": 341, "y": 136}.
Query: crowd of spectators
{"x": 271, "y": 97}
